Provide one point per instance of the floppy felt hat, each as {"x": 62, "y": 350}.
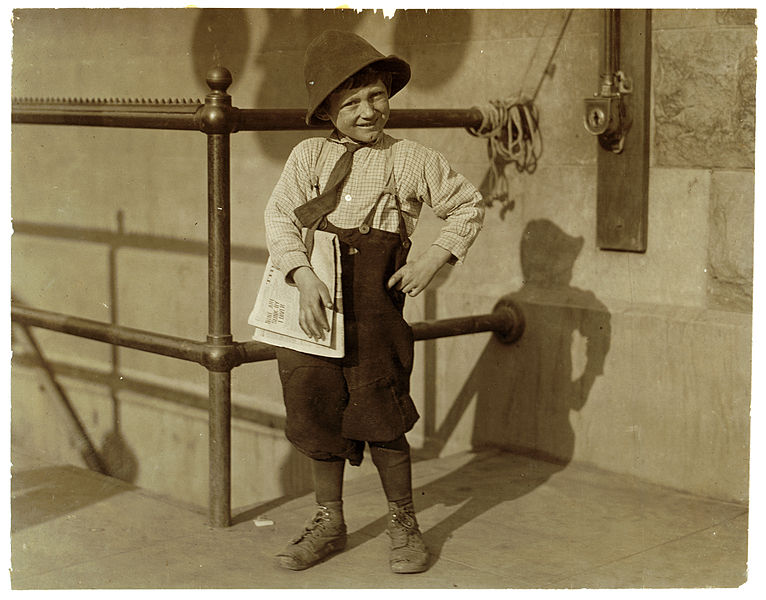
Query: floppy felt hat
{"x": 334, "y": 56}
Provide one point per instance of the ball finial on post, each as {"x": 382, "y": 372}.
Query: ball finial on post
{"x": 217, "y": 115}
{"x": 218, "y": 79}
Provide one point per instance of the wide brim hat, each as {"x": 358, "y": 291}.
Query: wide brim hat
{"x": 334, "y": 56}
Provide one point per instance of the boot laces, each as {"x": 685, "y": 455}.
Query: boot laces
{"x": 403, "y": 526}
{"x": 314, "y": 527}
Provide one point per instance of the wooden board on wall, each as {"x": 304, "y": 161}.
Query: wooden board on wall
{"x": 623, "y": 179}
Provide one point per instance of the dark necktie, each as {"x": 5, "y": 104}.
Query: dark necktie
{"x": 312, "y": 212}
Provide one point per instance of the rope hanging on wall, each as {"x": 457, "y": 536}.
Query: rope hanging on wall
{"x": 511, "y": 127}
{"x": 513, "y": 137}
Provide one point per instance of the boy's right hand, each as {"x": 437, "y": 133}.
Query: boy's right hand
{"x": 315, "y": 297}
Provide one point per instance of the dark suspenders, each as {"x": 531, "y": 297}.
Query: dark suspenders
{"x": 388, "y": 188}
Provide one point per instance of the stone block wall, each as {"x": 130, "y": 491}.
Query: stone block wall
{"x": 704, "y": 119}
{"x": 622, "y": 363}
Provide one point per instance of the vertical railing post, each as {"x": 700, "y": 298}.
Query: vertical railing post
{"x": 218, "y": 119}
{"x": 219, "y": 327}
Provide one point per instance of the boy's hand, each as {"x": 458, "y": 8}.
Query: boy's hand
{"x": 414, "y": 277}
{"x": 314, "y": 298}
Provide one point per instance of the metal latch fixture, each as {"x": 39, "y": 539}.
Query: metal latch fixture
{"x": 606, "y": 114}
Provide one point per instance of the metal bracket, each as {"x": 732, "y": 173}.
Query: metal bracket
{"x": 515, "y": 315}
{"x": 619, "y": 116}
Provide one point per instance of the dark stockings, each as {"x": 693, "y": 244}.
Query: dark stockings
{"x": 392, "y": 460}
{"x": 328, "y": 480}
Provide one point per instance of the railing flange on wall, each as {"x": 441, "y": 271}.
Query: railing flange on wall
{"x": 515, "y": 317}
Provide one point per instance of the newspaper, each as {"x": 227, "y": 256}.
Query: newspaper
{"x": 276, "y": 310}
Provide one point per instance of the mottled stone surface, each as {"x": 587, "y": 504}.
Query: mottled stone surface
{"x": 672, "y": 270}
{"x": 704, "y": 97}
{"x": 734, "y": 16}
{"x": 695, "y": 18}
{"x": 730, "y": 252}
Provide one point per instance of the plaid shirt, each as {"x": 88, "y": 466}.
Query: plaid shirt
{"x": 422, "y": 175}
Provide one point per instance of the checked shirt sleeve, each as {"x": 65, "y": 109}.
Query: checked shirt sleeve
{"x": 452, "y": 198}
{"x": 283, "y": 230}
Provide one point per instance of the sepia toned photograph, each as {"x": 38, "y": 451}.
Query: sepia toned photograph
{"x": 356, "y": 298}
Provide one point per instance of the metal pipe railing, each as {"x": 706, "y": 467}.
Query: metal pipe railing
{"x": 267, "y": 119}
{"x": 118, "y": 335}
{"x": 506, "y": 321}
{"x": 217, "y": 118}
{"x": 187, "y": 116}
{"x": 170, "y": 114}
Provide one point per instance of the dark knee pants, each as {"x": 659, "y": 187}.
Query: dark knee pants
{"x": 334, "y": 405}
{"x": 325, "y": 422}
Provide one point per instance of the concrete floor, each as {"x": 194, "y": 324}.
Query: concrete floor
{"x": 492, "y": 520}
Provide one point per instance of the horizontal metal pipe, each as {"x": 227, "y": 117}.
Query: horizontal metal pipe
{"x": 182, "y": 117}
{"x": 251, "y": 352}
{"x": 284, "y": 119}
{"x": 429, "y": 330}
{"x": 433, "y": 118}
{"x": 137, "y": 339}
{"x": 506, "y": 321}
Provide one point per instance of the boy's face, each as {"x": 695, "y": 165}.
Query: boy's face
{"x": 360, "y": 113}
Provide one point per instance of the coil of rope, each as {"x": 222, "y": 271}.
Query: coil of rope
{"x": 512, "y": 131}
{"x": 511, "y": 127}
{"x": 513, "y": 136}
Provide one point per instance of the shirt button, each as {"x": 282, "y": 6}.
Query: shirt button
{"x": 348, "y": 197}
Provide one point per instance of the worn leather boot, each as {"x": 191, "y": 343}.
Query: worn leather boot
{"x": 322, "y": 535}
{"x": 408, "y": 550}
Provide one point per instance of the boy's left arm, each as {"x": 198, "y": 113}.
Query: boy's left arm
{"x": 415, "y": 276}
{"x": 452, "y": 198}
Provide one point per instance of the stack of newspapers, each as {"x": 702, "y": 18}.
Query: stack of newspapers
{"x": 277, "y": 306}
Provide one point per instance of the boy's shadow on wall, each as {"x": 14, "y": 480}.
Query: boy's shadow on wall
{"x": 524, "y": 392}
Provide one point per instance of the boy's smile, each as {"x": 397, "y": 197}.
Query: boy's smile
{"x": 360, "y": 113}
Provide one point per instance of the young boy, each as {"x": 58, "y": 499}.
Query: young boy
{"x": 368, "y": 188}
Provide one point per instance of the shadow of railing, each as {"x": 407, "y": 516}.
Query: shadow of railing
{"x": 165, "y": 393}
{"x": 123, "y": 239}
{"x": 113, "y": 456}
{"x": 85, "y": 447}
